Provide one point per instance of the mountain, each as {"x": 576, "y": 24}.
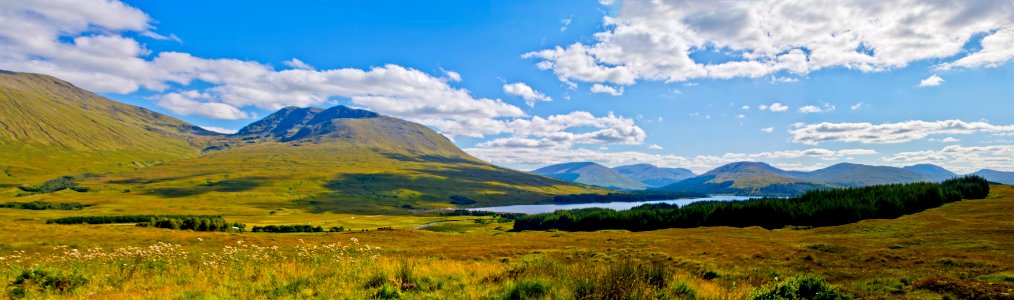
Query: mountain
{"x": 850, "y": 175}
{"x": 49, "y": 127}
{"x": 746, "y": 178}
{"x": 653, "y": 176}
{"x": 996, "y": 176}
{"x": 300, "y": 160}
{"x": 931, "y": 172}
{"x": 592, "y": 174}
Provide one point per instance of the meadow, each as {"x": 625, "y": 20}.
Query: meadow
{"x": 959, "y": 250}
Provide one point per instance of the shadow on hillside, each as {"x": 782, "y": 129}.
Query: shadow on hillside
{"x": 224, "y": 186}
{"x": 142, "y": 180}
{"x": 430, "y": 159}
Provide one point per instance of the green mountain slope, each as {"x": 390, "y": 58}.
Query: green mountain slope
{"x": 653, "y": 176}
{"x": 50, "y": 128}
{"x": 592, "y": 174}
{"x": 996, "y": 176}
{"x": 848, "y": 174}
{"x": 746, "y": 178}
{"x": 931, "y": 172}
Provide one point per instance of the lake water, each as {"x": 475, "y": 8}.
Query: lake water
{"x": 546, "y": 208}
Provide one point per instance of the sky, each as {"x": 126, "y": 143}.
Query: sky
{"x": 523, "y": 84}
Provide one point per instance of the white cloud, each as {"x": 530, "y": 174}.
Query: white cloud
{"x": 655, "y": 147}
{"x": 745, "y": 107}
{"x": 220, "y": 129}
{"x": 996, "y": 50}
{"x": 605, "y": 89}
{"x": 527, "y": 92}
{"x": 949, "y": 139}
{"x": 552, "y": 131}
{"x": 298, "y": 64}
{"x": 188, "y": 103}
{"x": 768, "y": 129}
{"x": 656, "y": 40}
{"x": 453, "y": 76}
{"x": 809, "y": 109}
{"x": 564, "y": 23}
{"x": 931, "y": 81}
{"x": 959, "y": 158}
{"x": 858, "y": 106}
{"x": 741, "y": 116}
{"x": 888, "y": 133}
{"x": 775, "y": 107}
{"x": 607, "y": 2}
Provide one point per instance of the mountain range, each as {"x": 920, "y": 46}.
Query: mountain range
{"x": 756, "y": 178}
{"x": 334, "y": 159}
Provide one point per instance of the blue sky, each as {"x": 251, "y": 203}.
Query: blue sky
{"x": 694, "y": 85}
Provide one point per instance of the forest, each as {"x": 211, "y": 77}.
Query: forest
{"x": 814, "y": 208}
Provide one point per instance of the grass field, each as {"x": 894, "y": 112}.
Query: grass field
{"x": 960, "y": 250}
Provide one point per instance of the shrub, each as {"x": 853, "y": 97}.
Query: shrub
{"x": 43, "y": 280}
{"x": 800, "y": 287}
{"x": 287, "y": 228}
{"x": 388, "y": 292}
{"x": 43, "y": 205}
{"x": 529, "y": 288}
{"x": 683, "y": 290}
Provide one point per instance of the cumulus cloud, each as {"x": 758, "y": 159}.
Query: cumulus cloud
{"x": 558, "y": 131}
{"x": 655, "y": 147}
{"x": 88, "y": 43}
{"x": 857, "y": 106}
{"x": 190, "y": 103}
{"x": 768, "y": 130}
{"x": 453, "y": 76}
{"x": 931, "y": 81}
{"x": 657, "y": 40}
{"x": 605, "y": 89}
{"x": 960, "y": 158}
{"x": 525, "y": 91}
{"x": 888, "y": 133}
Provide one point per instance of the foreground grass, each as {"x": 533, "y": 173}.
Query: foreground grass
{"x": 959, "y": 250}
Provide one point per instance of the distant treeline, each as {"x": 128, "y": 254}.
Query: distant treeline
{"x": 481, "y": 213}
{"x": 43, "y": 205}
{"x": 195, "y": 223}
{"x": 291, "y": 228}
{"x": 54, "y": 185}
{"x": 121, "y": 219}
{"x": 814, "y": 208}
{"x": 625, "y": 197}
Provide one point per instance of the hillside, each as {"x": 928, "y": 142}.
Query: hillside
{"x": 653, "y": 176}
{"x": 996, "y": 176}
{"x": 592, "y": 174}
{"x": 50, "y": 128}
{"x": 853, "y": 175}
{"x": 746, "y": 178}
{"x": 931, "y": 172}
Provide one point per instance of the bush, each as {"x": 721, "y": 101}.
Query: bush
{"x": 529, "y": 288}
{"x": 287, "y": 228}
{"x": 683, "y": 290}
{"x": 216, "y": 223}
{"x": 388, "y": 292}
{"x": 42, "y": 280}
{"x": 800, "y": 287}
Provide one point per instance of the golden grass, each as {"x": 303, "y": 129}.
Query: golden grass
{"x": 966, "y": 242}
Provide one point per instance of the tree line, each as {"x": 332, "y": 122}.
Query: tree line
{"x": 202, "y": 223}
{"x": 293, "y": 228}
{"x": 120, "y": 219}
{"x": 43, "y": 205}
{"x": 813, "y": 208}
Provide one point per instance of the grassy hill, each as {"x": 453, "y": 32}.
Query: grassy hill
{"x": 746, "y": 178}
{"x": 653, "y": 176}
{"x": 50, "y": 128}
{"x": 297, "y": 160}
{"x": 592, "y": 174}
